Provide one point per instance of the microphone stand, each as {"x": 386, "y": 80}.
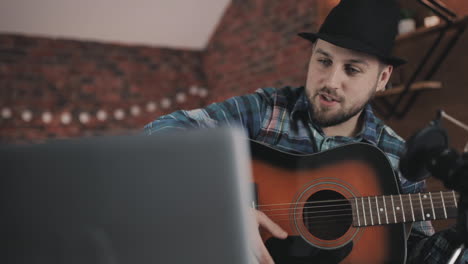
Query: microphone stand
{"x": 461, "y": 229}
{"x": 462, "y": 219}
{"x": 459, "y": 181}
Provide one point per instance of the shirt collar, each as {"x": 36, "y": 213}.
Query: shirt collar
{"x": 370, "y": 129}
{"x": 369, "y": 132}
{"x": 301, "y": 106}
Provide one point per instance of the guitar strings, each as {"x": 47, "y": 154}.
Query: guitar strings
{"x": 348, "y": 218}
{"x": 366, "y": 204}
{"x": 375, "y": 215}
{"x": 348, "y": 210}
{"x": 439, "y": 205}
{"x": 373, "y": 206}
{"x": 344, "y": 219}
{"x": 328, "y": 222}
{"x": 343, "y": 210}
{"x": 396, "y": 198}
{"x": 437, "y": 202}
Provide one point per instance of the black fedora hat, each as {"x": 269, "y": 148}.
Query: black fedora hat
{"x": 368, "y": 26}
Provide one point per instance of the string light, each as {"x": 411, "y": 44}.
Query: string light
{"x": 135, "y": 110}
{"x": 6, "y": 113}
{"x": 66, "y": 118}
{"x": 203, "y": 92}
{"x": 180, "y": 97}
{"x": 101, "y": 115}
{"x": 47, "y": 117}
{"x": 26, "y": 115}
{"x": 193, "y": 90}
{"x": 165, "y": 103}
{"x": 151, "y": 107}
{"x": 119, "y": 114}
{"x": 84, "y": 117}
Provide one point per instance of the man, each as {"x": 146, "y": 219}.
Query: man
{"x": 350, "y": 62}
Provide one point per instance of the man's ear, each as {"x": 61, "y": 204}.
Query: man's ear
{"x": 384, "y": 77}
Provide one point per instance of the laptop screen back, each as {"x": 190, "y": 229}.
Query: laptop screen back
{"x": 165, "y": 198}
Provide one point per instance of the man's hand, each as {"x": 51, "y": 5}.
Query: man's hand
{"x": 264, "y": 222}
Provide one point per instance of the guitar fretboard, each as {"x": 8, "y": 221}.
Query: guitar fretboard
{"x": 403, "y": 208}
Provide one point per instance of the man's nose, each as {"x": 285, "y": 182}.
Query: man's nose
{"x": 334, "y": 78}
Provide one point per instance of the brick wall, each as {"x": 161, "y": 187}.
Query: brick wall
{"x": 40, "y": 75}
{"x": 256, "y": 45}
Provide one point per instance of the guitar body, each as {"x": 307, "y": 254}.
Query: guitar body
{"x": 307, "y": 195}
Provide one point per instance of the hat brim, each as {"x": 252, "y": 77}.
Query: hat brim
{"x": 353, "y": 45}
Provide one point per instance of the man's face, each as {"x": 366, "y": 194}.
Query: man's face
{"x": 340, "y": 82}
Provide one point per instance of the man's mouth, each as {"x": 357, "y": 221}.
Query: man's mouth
{"x": 328, "y": 98}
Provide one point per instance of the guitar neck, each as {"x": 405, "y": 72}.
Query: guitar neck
{"x": 403, "y": 208}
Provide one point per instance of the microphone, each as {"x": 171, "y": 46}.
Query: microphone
{"x": 421, "y": 149}
{"x": 427, "y": 153}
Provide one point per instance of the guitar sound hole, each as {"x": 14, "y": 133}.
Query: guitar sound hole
{"x": 327, "y": 215}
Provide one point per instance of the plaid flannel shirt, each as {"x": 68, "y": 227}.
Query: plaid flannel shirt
{"x": 281, "y": 118}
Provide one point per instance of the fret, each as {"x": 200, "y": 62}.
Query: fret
{"x": 443, "y": 204}
{"x": 377, "y": 209}
{"x": 432, "y": 204}
{"x": 411, "y": 208}
{"x": 393, "y": 207}
{"x": 357, "y": 209}
{"x": 438, "y": 205}
{"x": 364, "y": 211}
{"x": 370, "y": 210}
{"x": 385, "y": 208}
{"x": 422, "y": 209}
{"x": 402, "y": 209}
{"x": 427, "y": 206}
{"x": 451, "y": 204}
{"x": 455, "y": 199}
{"x": 411, "y": 205}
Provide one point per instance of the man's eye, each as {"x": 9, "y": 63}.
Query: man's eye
{"x": 352, "y": 70}
{"x": 325, "y": 62}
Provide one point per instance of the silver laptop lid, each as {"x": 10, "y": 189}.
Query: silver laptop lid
{"x": 165, "y": 198}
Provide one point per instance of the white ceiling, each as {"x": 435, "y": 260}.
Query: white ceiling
{"x": 166, "y": 23}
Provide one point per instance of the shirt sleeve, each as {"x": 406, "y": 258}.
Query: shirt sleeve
{"x": 245, "y": 111}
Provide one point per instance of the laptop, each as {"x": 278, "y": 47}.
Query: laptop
{"x": 167, "y": 198}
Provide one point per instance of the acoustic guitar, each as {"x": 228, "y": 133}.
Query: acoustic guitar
{"x": 339, "y": 206}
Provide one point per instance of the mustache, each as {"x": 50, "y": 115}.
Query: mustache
{"x": 330, "y": 92}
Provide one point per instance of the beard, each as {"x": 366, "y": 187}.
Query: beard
{"x": 323, "y": 116}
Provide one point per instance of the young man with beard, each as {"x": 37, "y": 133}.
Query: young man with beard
{"x": 350, "y": 61}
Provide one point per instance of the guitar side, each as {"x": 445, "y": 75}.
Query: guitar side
{"x": 286, "y": 182}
